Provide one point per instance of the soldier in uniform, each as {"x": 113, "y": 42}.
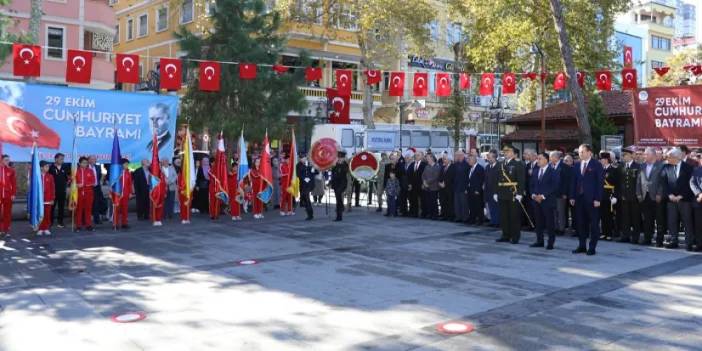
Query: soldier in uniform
{"x": 339, "y": 183}
{"x": 510, "y": 183}
{"x": 610, "y": 196}
{"x": 630, "y": 222}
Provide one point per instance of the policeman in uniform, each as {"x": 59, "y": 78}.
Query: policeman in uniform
{"x": 339, "y": 183}
{"x": 510, "y": 184}
{"x": 610, "y": 196}
{"x": 630, "y": 222}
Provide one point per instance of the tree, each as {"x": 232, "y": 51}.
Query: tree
{"x": 677, "y": 74}
{"x": 601, "y": 124}
{"x": 241, "y": 31}
{"x": 384, "y": 30}
{"x": 12, "y": 37}
{"x": 505, "y": 31}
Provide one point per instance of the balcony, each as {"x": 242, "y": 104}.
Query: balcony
{"x": 316, "y": 93}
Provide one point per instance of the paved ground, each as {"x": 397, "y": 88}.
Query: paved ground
{"x": 368, "y": 283}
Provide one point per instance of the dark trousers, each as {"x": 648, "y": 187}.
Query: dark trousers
{"x": 654, "y": 219}
{"x": 169, "y": 204}
{"x": 697, "y": 212}
{"x": 414, "y": 195}
{"x": 60, "y": 207}
{"x": 446, "y": 201}
{"x": 631, "y": 220}
{"x": 306, "y": 203}
{"x": 494, "y": 209}
{"x": 587, "y": 218}
{"x": 460, "y": 206}
{"x": 392, "y": 205}
{"x": 430, "y": 205}
{"x": 510, "y": 220}
{"x": 476, "y": 211}
{"x": 545, "y": 221}
{"x": 607, "y": 214}
{"x": 680, "y": 212}
{"x": 371, "y": 187}
{"x": 99, "y": 205}
{"x": 339, "y": 195}
{"x": 402, "y": 200}
{"x": 357, "y": 192}
{"x": 142, "y": 202}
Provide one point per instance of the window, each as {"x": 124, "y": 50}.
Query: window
{"x": 344, "y": 18}
{"x": 656, "y": 64}
{"x": 112, "y": 2}
{"x": 162, "y": 19}
{"x": 210, "y": 7}
{"x": 186, "y": 11}
{"x": 116, "y": 38}
{"x": 439, "y": 139}
{"x": 405, "y": 139}
{"x": 309, "y": 11}
{"x": 453, "y": 33}
{"x": 347, "y": 138}
{"x": 130, "y": 29}
{"x": 143, "y": 25}
{"x": 55, "y": 41}
{"x": 434, "y": 30}
{"x": 420, "y": 139}
{"x": 660, "y": 43}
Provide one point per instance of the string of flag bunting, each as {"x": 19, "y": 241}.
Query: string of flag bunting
{"x": 27, "y": 63}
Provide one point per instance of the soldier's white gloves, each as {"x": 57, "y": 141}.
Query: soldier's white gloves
{"x": 518, "y": 197}
{"x": 494, "y": 197}
{"x": 614, "y": 201}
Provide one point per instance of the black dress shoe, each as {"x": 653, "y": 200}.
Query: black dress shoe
{"x": 591, "y": 252}
{"x": 501, "y": 240}
{"x": 379, "y": 210}
{"x": 537, "y": 244}
{"x": 635, "y": 242}
{"x": 689, "y": 248}
{"x": 579, "y": 250}
{"x": 549, "y": 247}
{"x": 308, "y": 218}
{"x": 698, "y": 248}
{"x": 125, "y": 226}
{"x": 514, "y": 242}
{"x": 337, "y": 220}
{"x": 623, "y": 240}
{"x": 659, "y": 245}
{"x": 671, "y": 246}
{"x": 90, "y": 229}
{"x": 645, "y": 243}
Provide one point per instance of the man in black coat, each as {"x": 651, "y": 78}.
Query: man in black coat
{"x": 490, "y": 188}
{"x": 414, "y": 183}
{"x": 62, "y": 175}
{"x": 446, "y": 192}
{"x": 306, "y": 174}
{"x": 460, "y": 187}
{"x": 676, "y": 188}
{"x": 141, "y": 189}
{"x": 393, "y": 166}
{"x": 476, "y": 178}
{"x": 339, "y": 183}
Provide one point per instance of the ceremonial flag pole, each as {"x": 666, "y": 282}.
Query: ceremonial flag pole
{"x": 73, "y": 197}
{"x": 115, "y": 178}
{"x": 221, "y": 174}
{"x": 155, "y": 171}
{"x": 188, "y": 170}
{"x": 266, "y": 191}
{"x": 294, "y": 188}
{"x": 243, "y": 171}
{"x": 35, "y": 195}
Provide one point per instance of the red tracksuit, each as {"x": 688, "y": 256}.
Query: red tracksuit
{"x": 285, "y": 196}
{"x": 49, "y": 197}
{"x": 122, "y": 202}
{"x": 8, "y": 189}
{"x": 158, "y": 196}
{"x": 233, "y": 188}
{"x": 256, "y": 187}
{"x": 183, "y": 201}
{"x": 83, "y": 213}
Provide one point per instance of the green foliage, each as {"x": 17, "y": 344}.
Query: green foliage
{"x": 6, "y": 36}
{"x": 452, "y": 118}
{"x": 677, "y": 75}
{"x": 599, "y": 122}
{"x": 242, "y": 31}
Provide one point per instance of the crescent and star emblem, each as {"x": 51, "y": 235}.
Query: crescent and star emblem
{"x": 372, "y": 74}
{"x": 81, "y": 59}
{"x": 26, "y": 59}
{"x": 175, "y": 69}
{"x": 629, "y": 77}
{"x": 508, "y": 80}
{"x": 420, "y": 81}
{"x": 124, "y": 63}
{"x": 487, "y": 81}
{"x": 339, "y": 99}
{"x": 603, "y": 78}
{"x": 210, "y": 75}
{"x": 343, "y": 79}
{"x": 13, "y": 122}
{"x": 394, "y": 82}
{"x": 443, "y": 81}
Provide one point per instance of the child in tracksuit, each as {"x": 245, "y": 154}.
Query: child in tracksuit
{"x": 392, "y": 190}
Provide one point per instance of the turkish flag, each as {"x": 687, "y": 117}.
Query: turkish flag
{"x": 509, "y": 83}
{"x": 696, "y": 70}
{"x": 209, "y": 75}
{"x": 344, "y": 81}
{"x": 603, "y": 80}
{"x": 544, "y": 75}
{"x": 26, "y": 60}
{"x": 171, "y": 74}
{"x": 580, "y": 78}
{"x": 661, "y": 70}
{"x": 397, "y": 84}
{"x": 22, "y": 128}
{"x": 127, "y": 68}
{"x": 559, "y": 83}
{"x": 443, "y": 84}
{"x": 338, "y": 107}
{"x": 464, "y": 80}
{"x": 628, "y": 79}
{"x": 628, "y": 56}
{"x": 530, "y": 75}
{"x": 247, "y": 70}
{"x": 313, "y": 73}
{"x": 79, "y": 65}
{"x": 420, "y": 86}
{"x": 280, "y": 69}
{"x": 487, "y": 84}
{"x": 373, "y": 76}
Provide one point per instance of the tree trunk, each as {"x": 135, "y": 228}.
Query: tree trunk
{"x": 567, "y": 53}
{"x": 35, "y": 20}
{"x": 367, "y": 106}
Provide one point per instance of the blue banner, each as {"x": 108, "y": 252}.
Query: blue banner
{"x": 52, "y": 115}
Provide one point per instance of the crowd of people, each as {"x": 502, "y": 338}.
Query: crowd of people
{"x": 642, "y": 197}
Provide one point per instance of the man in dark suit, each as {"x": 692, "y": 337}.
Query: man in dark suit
{"x": 649, "y": 192}
{"x": 339, "y": 182}
{"x": 99, "y": 203}
{"x": 414, "y": 183}
{"x": 686, "y": 156}
{"x": 446, "y": 191}
{"x": 510, "y": 184}
{"x": 610, "y": 196}
{"x": 586, "y": 196}
{"x": 402, "y": 177}
{"x": 141, "y": 189}
{"x": 62, "y": 174}
{"x": 565, "y": 173}
{"x": 696, "y": 186}
{"x": 476, "y": 180}
{"x": 305, "y": 173}
{"x": 531, "y": 165}
{"x": 544, "y": 185}
{"x": 460, "y": 181}
{"x": 491, "y": 173}
{"x": 630, "y": 206}
{"x": 675, "y": 178}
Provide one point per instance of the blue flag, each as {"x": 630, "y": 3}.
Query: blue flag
{"x": 243, "y": 171}
{"x": 116, "y": 167}
{"x": 35, "y": 195}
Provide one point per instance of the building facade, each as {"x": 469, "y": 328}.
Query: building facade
{"x": 685, "y": 25}
{"x": 68, "y": 24}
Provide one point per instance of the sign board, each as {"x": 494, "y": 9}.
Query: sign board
{"x": 611, "y": 142}
{"x": 666, "y": 116}
{"x": 380, "y": 140}
{"x": 54, "y": 115}
{"x": 101, "y": 41}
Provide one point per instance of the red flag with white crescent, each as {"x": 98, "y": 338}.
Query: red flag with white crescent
{"x": 397, "y": 84}
{"x": 661, "y": 71}
{"x": 628, "y": 79}
{"x": 372, "y": 76}
{"x": 23, "y": 128}
{"x": 420, "y": 87}
{"x": 443, "y": 84}
{"x": 603, "y": 80}
{"x": 247, "y": 71}
{"x": 464, "y": 80}
{"x": 313, "y": 73}
{"x": 559, "y": 83}
{"x": 509, "y": 83}
{"x": 344, "y": 81}
{"x": 79, "y": 65}
{"x": 628, "y": 56}
{"x": 580, "y": 78}
{"x": 487, "y": 84}
{"x": 170, "y": 74}
{"x": 26, "y": 60}
{"x": 339, "y": 107}
{"x": 127, "y": 68}
{"x": 209, "y": 76}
